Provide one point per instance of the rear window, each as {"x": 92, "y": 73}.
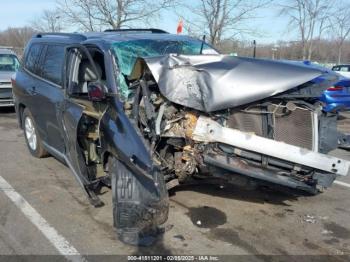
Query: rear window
{"x": 51, "y": 67}
{"x": 341, "y": 68}
{"x": 8, "y": 62}
{"x": 32, "y": 58}
{"x": 344, "y": 69}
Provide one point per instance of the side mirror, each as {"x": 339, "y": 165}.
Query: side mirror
{"x": 96, "y": 92}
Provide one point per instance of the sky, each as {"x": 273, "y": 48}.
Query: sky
{"x": 270, "y": 26}
{"x": 16, "y": 13}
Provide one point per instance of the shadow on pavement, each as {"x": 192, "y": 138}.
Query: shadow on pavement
{"x": 7, "y": 110}
{"x": 273, "y": 195}
{"x": 158, "y": 248}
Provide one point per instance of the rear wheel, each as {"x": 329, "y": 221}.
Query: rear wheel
{"x": 137, "y": 208}
{"x": 32, "y": 138}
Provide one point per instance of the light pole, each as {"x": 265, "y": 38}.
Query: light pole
{"x": 254, "y": 48}
{"x": 274, "y": 49}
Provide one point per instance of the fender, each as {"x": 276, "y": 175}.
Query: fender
{"x": 120, "y": 138}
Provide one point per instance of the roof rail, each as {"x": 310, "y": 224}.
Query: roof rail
{"x": 152, "y": 30}
{"x": 67, "y": 35}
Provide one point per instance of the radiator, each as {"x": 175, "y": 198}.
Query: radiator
{"x": 247, "y": 122}
{"x": 298, "y": 127}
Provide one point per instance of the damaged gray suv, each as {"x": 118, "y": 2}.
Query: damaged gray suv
{"x": 142, "y": 111}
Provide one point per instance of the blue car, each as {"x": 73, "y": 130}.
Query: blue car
{"x": 337, "y": 97}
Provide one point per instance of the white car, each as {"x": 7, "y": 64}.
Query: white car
{"x": 343, "y": 70}
{"x": 8, "y": 66}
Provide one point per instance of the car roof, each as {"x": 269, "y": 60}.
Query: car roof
{"x": 4, "y": 51}
{"x": 110, "y": 36}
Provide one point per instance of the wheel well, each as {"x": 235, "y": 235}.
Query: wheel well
{"x": 21, "y": 108}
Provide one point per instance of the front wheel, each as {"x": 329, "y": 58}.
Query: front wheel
{"x": 138, "y": 208}
{"x": 31, "y": 135}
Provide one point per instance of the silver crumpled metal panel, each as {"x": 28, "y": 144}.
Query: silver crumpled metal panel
{"x": 215, "y": 82}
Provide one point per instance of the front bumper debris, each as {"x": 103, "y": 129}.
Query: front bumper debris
{"x": 209, "y": 131}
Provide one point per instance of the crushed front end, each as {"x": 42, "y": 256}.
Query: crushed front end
{"x": 243, "y": 120}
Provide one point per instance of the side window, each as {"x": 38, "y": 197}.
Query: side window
{"x": 52, "y": 64}
{"x": 344, "y": 69}
{"x": 336, "y": 68}
{"x": 33, "y": 57}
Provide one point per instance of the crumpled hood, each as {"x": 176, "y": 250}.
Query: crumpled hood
{"x": 215, "y": 82}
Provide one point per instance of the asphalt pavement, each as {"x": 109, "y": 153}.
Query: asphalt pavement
{"x": 42, "y": 206}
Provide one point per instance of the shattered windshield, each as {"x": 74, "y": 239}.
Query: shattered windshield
{"x": 127, "y": 52}
{"x": 8, "y": 62}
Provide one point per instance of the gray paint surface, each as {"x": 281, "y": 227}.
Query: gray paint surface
{"x": 215, "y": 82}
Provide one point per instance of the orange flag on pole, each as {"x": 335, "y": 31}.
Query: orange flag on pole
{"x": 179, "y": 27}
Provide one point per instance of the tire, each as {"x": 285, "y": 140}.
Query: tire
{"x": 137, "y": 209}
{"x": 33, "y": 140}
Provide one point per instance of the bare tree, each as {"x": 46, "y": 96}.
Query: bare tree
{"x": 49, "y": 21}
{"x": 308, "y": 16}
{"x": 222, "y": 18}
{"x": 93, "y": 15}
{"x": 341, "y": 28}
{"x": 16, "y": 38}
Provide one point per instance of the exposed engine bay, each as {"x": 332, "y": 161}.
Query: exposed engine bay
{"x": 293, "y": 118}
{"x": 191, "y": 132}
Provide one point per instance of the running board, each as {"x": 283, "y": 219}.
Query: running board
{"x": 207, "y": 130}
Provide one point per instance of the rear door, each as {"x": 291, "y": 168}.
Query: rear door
{"x": 49, "y": 94}
{"x": 26, "y": 81}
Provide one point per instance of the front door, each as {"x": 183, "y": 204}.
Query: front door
{"x": 70, "y": 116}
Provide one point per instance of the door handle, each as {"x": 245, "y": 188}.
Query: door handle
{"x": 33, "y": 90}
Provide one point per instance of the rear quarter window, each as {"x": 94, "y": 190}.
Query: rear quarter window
{"x": 32, "y": 58}
{"x": 344, "y": 69}
{"x": 52, "y": 64}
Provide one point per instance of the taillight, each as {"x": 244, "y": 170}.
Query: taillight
{"x": 13, "y": 81}
{"x": 335, "y": 88}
